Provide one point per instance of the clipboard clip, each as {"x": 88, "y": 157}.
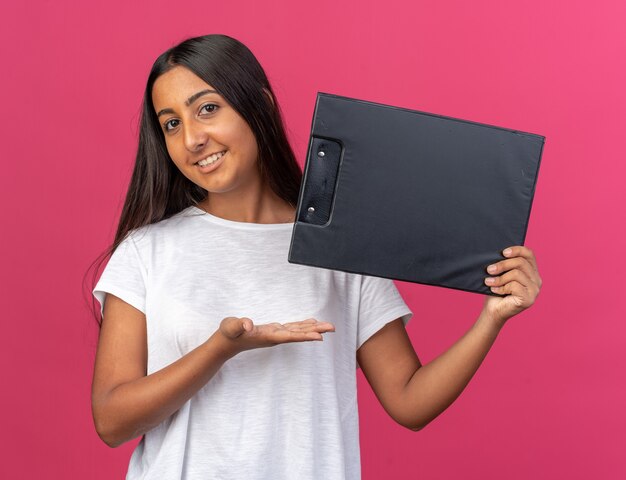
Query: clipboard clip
{"x": 320, "y": 181}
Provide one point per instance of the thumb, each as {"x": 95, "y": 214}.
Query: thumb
{"x": 234, "y": 327}
{"x": 246, "y": 324}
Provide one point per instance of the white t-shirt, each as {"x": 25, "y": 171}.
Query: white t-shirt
{"x": 282, "y": 412}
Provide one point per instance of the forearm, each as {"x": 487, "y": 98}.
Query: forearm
{"x": 133, "y": 408}
{"x": 434, "y": 386}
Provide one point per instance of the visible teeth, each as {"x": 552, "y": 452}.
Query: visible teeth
{"x": 211, "y": 159}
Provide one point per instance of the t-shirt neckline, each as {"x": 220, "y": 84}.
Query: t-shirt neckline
{"x": 242, "y": 225}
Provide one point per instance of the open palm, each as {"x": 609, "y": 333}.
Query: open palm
{"x": 245, "y": 335}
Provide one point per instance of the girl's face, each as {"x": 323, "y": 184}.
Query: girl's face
{"x": 197, "y": 124}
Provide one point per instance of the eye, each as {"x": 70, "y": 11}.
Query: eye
{"x": 169, "y": 123}
{"x": 209, "y": 105}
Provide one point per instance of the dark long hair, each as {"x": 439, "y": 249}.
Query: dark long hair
{"x": 157, "y": 189}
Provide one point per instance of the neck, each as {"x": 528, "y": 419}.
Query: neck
{"x": 258, "y": 204}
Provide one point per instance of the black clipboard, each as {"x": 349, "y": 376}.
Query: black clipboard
{"x": 408, "y": 195}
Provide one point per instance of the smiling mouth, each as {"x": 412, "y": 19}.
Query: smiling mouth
{"x": 211, "y": 159}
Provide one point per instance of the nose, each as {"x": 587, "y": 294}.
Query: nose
{"x": 194, "y": 135}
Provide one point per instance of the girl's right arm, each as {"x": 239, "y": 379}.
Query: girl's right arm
{"x": 126, "y": 402}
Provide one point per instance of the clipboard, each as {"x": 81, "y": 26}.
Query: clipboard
{"x": 407, "y": 195}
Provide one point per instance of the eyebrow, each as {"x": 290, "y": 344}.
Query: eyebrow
{"x": 188, "y": 102}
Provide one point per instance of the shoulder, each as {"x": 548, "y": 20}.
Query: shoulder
{"x": 163, "y": 230}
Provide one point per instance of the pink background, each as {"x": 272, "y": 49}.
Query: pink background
{"x": 548, "y": 401}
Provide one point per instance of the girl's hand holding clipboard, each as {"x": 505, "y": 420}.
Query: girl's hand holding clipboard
{"x": 518, "y": 278}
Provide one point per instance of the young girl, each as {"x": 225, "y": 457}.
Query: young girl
{"x": 211, "y": 341}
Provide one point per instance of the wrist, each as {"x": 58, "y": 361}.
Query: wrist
{"x": 224, "y": 346}
{"x": 491, "y": 322}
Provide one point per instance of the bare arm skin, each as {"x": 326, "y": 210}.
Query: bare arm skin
{"x": 126, "y": 402}
{"x": 412, "y": 394}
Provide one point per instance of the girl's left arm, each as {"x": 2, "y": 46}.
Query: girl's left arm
{"x": 412, "y": 394}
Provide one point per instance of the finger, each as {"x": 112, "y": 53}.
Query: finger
{"x": 512, "y": 288}
{"x": 285, "y": 336}
{"x": 520, "y": 263}
{"x": 301, "y": 322}
{"x": 521, "y": 251}
{"x": 307, "y": 336}
{"x": 511, "y": 275}
{"x": 246, "y": 324}
{"x": 318, "y": 327}
{"x": 523, "y": 296}
{"x": 233, "y": 326}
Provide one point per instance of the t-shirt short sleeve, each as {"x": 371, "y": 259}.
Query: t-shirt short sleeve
{"x": 380, "y": 303}
{"x": 124, "y": 276}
